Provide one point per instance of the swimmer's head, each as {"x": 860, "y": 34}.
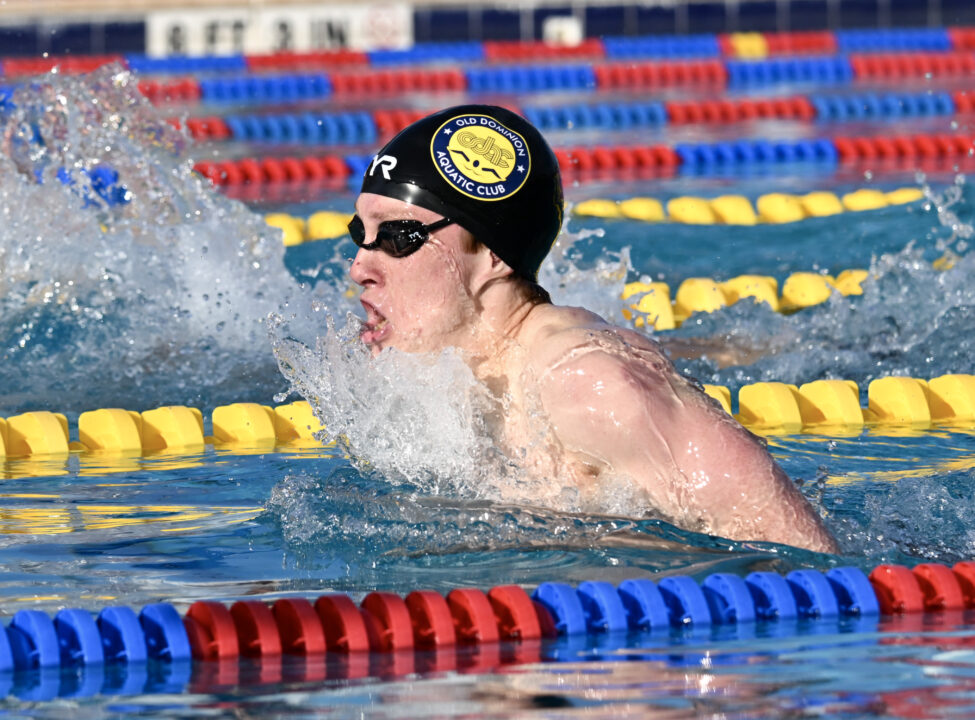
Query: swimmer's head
{"x": 484, "y": 167}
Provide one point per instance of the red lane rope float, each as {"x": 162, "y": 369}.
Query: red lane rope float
{"x": 172, "y": 91}
{"x": 385, "y": 82}
{"x": 929, "y": 587}
{"x": 345, "y": 626}
{"x": 517, "y": 51}
{"x": 897, "y": 66}
{"x": 68, "y": 64}
{"x": 208, "y": 128}
{"x": 473, "y": 616}
{"x": 211, "y": 631}
{"x": 299, "y": 626}
{"x": 648, "y": 162}
{"x": 517, "y": 616}
{"x": 310, "y": 60}
{"x": 257, "y": 631}
{"x": 433, "y": 625}
{"x": 965, "y": 572}
{"x": 268, "y": 171}
{"x": 903, "y": 148}
{"x": 940, "y": 587}
{"x": 801, "y": 43}
{"x": 731, "y": 111}
{"x": 390, "y": 122}
{"x": 962, "y": 38}
{"x": 388, "y": 621}
{"x": 964, "y": 101}
{"x": 655, "y": 75}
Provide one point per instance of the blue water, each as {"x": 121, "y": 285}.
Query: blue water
{"x": 165, "y": 300}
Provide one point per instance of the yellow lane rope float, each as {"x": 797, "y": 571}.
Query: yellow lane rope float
{"x": 828, "y": 407}
{"x": 651, "y": 303}
{"x": 895, "y": 406}
{"x": 723, "y": 210}
{"x": 773, "y": 208}
{"x": 821, "y": 406}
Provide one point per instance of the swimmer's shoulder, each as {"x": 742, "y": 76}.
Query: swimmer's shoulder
{"x": 551, "y": 331}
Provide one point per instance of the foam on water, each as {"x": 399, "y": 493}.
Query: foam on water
{"x": 425, "y": 419}
{"x": 414, "y": 418}
{"x": 916, "y": 517}
{"x": 143, "y": 301}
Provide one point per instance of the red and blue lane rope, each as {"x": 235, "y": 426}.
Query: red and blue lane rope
{"x": 928, "y": 40}
{"x": 921, "y": 150}
{"x": 386, "y": 622}
{"x": 647, "y": 75}
{"x": 361, "y": 127}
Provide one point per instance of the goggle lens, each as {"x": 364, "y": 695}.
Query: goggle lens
{"x": 397, "y": 238}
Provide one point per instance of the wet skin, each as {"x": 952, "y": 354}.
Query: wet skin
{"x": 585, "y": 402}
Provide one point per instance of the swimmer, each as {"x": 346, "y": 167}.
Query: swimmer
{"x": 455, "y": 216}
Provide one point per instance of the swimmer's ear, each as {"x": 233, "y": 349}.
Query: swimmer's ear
{"x": 500, "y": 268}
{"x": 496, "y": 262}
{"x": 490, "y": 270}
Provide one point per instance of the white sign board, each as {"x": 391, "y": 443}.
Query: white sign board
{"x": 279, "y": 29}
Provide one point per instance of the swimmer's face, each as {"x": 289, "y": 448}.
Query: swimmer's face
{"x": 417, "y": 303}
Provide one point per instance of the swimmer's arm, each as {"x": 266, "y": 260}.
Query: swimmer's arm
{"x": 697, "y": 465}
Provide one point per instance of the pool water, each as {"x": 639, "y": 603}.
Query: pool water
{"x": 181, "y": 296}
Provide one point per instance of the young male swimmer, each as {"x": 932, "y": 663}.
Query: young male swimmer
{"x": 455, "y": 216}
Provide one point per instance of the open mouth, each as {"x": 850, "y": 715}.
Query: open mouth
{"x": 376, "y": 326}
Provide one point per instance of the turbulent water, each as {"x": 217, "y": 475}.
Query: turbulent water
{"x": 156, "y": 289}
{"x": 151, "y": 290}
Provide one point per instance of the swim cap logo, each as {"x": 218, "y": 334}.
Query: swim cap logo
{"x": 480, "y": 157}
{"x": 384, "y": 163}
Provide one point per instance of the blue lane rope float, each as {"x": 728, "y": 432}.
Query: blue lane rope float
{"x": 264, "y": 89}
{"x": 662, "y": 46}
{"x": 881, "y": 40}
{"x": 530, "y": 78}
{"x": 350, "y": 128}
{"x": 706, "y": 158}
{"x": 745, "y": 74}
{"x": 421, "y": 53}
{"x": 881, "y": 106}
{"x": 174, "y": 64}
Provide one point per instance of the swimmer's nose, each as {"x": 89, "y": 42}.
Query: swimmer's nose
{"x": 364, "y": 270}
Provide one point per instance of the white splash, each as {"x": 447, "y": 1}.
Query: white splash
{"x": 150, "y": 297}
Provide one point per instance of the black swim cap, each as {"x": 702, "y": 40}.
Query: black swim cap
{"x": 484, "y": 167}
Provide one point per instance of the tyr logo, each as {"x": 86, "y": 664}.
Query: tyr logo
{"x": 384, "y": 162}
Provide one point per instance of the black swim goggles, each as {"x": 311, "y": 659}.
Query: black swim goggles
{"x": 397, "y": 238}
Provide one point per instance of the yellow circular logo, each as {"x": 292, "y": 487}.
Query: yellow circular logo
{"x": 481, "y": 157}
